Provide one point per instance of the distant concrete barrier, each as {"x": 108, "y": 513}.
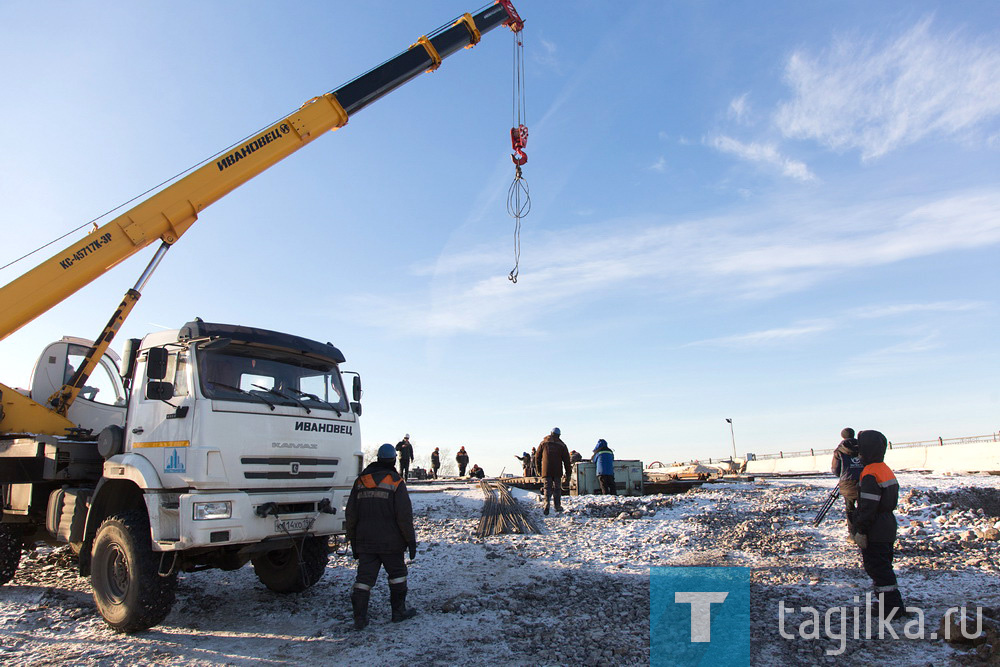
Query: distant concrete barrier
{"x": 941, "y": 456}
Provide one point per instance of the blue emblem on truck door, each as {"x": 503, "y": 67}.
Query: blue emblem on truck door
{"x": 175, "y": 460}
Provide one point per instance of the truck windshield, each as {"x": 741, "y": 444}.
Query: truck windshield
{"x": 244, "y": 373}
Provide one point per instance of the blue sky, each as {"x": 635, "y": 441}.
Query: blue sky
{"x": 784, "y": 213}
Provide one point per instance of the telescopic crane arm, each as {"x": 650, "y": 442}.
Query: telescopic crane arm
{"x": 169, "y": 213}
{"x": 166, "y": 215}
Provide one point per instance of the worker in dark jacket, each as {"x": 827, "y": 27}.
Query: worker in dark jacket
{"x": 575, "y": 457}
{"x": 847, "y": 466}
{"x": 462, "y": 459}
{"x": 435, "y": 462}
{"x": 875, "y": 523}
{"x": 477, "y": 472}
{"x": 554, "y": 455}
{"x": 405, "y": 451}
{"x": 525, "y": 460}
{"x": 535, "y": 463}
{"x": 379, "y": 525}
{"x": 605, "y": 460}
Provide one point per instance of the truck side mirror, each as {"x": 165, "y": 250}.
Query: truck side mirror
{"x": 357, "y": 389}
{"x": 159, "y": 391}
{"x": 156, "y": 363}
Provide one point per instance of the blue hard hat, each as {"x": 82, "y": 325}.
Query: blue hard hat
{"x": 601, "y": 443}
{"x": 556, "y": 431}
{"x": 387, "y": 451}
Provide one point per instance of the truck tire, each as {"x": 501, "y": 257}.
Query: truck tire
{"x": 282, "y": 572}
{"x": 10, "y": 553}
{"x": 130, "y": 595}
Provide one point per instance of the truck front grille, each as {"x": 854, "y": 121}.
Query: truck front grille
{"x": 289, "y": 467}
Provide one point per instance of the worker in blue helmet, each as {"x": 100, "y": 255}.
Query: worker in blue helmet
{"x": 380, "y": 529}
{"x": 605, "y": 460}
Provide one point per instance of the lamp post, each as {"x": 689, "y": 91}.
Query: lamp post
{"x": 733, "y": 435}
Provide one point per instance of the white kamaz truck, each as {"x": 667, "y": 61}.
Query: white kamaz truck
{"x": 236, "y": 445}
{"x": 209, "y": 446}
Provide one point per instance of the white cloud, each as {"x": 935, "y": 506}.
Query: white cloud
{"x": 891, "y": 359}
{"x": 876, "y": 97}
{"x": 547, "y": 56}
{"x": 874, "y": 312}
{"x": 739, "y": 108}
{"x": 765, "y": 153}
{"x": 779, "y": 249}
{"x": 660, "y": 165}
{"x": 766, "y": 337}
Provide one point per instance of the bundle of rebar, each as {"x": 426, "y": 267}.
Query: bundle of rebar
{"x": 502, "y": 513}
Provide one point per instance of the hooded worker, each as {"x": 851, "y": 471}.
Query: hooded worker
{"x": 846, "y": 465}
{"x": 380, "y": 529}
{"x": 605, "y": 460}
{"x": 875, "y": 523}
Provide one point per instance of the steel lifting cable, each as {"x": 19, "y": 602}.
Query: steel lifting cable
{"x": 518, "y": 197}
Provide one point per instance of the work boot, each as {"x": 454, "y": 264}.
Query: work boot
{"x": 359, "y": 601}
{"x": 559, "y": 508}
{"x": 397, "y": 600}
{"x": 546, "y": 510}
{"x": 892, "y": 601}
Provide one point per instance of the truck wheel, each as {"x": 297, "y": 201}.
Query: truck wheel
{"x": 282, "y": 572}
{"x": 10, "y": 553}
{"x": 129, "y": 593}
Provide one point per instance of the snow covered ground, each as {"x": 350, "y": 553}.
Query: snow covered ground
{"x": 576, "y": 594}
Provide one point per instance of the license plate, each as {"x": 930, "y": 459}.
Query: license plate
{"x": 292, "y": 525}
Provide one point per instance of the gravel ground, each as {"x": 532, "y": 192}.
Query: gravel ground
{"x": 577, "y": 594}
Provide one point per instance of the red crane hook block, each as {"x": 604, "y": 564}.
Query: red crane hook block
{"x": 518, "y": 140}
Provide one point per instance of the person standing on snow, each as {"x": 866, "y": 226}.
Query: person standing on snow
{"x": 525, "y": 460}
{"x": 535, "y": 467}
{"x": 435, "y": 462}
{"x": 379, "y": 525}
{"x": 605, "y": 460}
{"x": 847, "y": 466}
{"x": 875, "y": 523}
{"x": 554, "y": 455}
{"x": 405, "y": 450}
{"x": 462, "y": 458}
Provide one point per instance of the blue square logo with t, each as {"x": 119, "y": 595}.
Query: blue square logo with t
{"x": 699, "y": 615}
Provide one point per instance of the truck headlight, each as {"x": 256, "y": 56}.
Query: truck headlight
{"x": 213, "y": 510}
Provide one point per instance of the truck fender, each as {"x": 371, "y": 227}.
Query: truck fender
{"x": 125, "y": 478}
{"x": 134, "y": 468}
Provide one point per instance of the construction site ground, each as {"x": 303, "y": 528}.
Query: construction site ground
{"x": 577, "y": 594}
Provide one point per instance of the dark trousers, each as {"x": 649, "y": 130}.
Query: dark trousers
{"x": 461, "y": 469}
{"x": 877, "y": 559}
{"x": 850, "y": 506}
{"x": 553, "y": 491}
{"x": 404, "y": 468}
{"x": 434, "y": 471}
{"x": 608, "y": 486}
{"x": 369, "y": 564}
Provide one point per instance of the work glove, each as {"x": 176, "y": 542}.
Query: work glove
{"x": 861, "y": 540}
{"x": 413, "y": 551}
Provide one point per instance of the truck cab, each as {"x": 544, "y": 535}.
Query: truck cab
{"x": 217, "y": 445}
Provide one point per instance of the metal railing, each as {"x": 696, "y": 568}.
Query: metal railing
{"x": 939, "y": 442}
